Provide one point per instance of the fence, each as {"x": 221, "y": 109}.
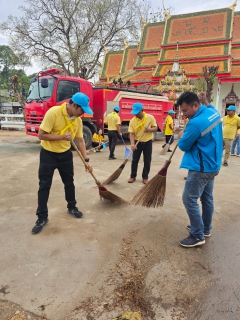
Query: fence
{"x": 12, "y": 121}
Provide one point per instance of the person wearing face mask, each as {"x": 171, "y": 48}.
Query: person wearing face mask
{"x": 61, "y": 124}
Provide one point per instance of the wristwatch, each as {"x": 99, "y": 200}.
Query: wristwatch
{"x": 87, "y": 160}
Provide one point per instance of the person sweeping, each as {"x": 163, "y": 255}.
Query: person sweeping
{"x": 169, "y": 129}
{"x": 113, "y": 121}
{"x": 58, "y": 128}
{"x": 141, "y": 123}
{"x": 202, "y": 144}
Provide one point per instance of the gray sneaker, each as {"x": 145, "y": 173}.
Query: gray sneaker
{"x": 39, "y": 226}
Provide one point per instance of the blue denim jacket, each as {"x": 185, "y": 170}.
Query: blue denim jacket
{"x": 202, "y": 141}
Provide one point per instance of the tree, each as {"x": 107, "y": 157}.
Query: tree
{"x": 71, "y": 34}
{"x": 8, "y": 60}
{"x": 209, "y": 74}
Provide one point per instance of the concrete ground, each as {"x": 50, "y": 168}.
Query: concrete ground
{"x": 75, "y": 268}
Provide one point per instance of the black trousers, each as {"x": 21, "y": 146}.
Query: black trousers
{"x": 112, "y": 141}
{"x": 146, "y": 149}
{"x": 96, "y": 144}
{"x": 168, "y": 138}
{"x": 49, "y": 161}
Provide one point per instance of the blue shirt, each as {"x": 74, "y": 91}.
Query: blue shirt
{"x": 202, "y": 141}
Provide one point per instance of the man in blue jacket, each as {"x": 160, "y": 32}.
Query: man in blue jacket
{"x": 203, "y": 145}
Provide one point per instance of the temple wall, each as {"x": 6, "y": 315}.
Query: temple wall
{"x": 225, "y": 89}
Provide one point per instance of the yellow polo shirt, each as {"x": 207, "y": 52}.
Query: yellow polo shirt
{"x": 169, "y": 121}
{"x": 97, "y": 138}
{"x": 134, "y": 128}
{"x": 54, "y": 122}
{"x": 112, "y": 120}
{"x": 230, "y": 126}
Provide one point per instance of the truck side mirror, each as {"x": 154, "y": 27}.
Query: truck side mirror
{"x": 44, "y": 82}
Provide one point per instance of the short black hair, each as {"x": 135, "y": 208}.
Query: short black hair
{"x": 188, "y": 97}
{"x": 71, "y": 102}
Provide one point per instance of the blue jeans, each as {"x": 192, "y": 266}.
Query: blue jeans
{"x": 199, "y": 185}
{"x": 236, "y": 144}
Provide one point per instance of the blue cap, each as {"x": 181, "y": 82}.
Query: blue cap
{"x": 171, "y": 112}
{"x": 117, "y": 108}
{"x": 136, "y": 108}
{"x": 83, "y": 101}
{"x": 231, "y": 108}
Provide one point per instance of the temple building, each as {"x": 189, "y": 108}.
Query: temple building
{"x": 181, "y": 46}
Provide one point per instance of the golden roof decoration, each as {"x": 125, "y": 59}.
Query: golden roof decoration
{"x": 232, "y": 7}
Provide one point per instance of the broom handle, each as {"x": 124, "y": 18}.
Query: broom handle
{"x": 80, "y": 155}
{"x": 167, "y": 163}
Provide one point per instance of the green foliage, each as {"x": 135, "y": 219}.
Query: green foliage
{"x": 9, "y": 62}
{"x": 201, "y": 85}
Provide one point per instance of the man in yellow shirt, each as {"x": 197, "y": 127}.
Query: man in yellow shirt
{"x": 142, "y": 122}
{"x": 231, "y": 123}
{"x": 113, "y": 122}
{"x": 60, "y": 125}
{"x": 169, "y": 127}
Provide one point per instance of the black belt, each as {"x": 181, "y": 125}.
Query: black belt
{"x": 142, "y": 142}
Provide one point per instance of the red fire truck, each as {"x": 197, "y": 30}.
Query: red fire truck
{"x": 51, "y": 88}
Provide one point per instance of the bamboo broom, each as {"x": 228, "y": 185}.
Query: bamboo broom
{"x": 167, "y": 146}
{"x": 117, "y": 173}
{"x": 103, "y": 192}
{"x": 153, "y": 193}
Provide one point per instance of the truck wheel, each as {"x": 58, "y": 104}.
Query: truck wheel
{"x": 87, "y": 135}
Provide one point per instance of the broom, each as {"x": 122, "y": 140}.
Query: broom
{"x": 117, "y": 173}
{"x": 103, "y": 144}
{"x": 153, "y": 193}
{"x": 103, "y": 192}
{"x": 167, "y": 146}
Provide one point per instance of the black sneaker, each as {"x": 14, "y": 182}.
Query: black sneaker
{"x": 39, "y": 226}
{"x": 207, "y": 235}
{"x": 169, "y": 150}
{"x": 225, "y": 164}
{"x": 191, "y": 241}
{"x": 75, "y": 212}
{"x": 112, "y": 158}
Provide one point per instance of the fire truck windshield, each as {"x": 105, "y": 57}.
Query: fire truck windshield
{"x": 36, "y": 92}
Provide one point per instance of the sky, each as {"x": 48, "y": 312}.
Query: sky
{"x": 10, "y": 7}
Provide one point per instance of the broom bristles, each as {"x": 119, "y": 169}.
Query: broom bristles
{"x": 165, "y": 149}
{"x": 115, "y": 174}
{"x": 107, "y": 195}
{"x": 153, "y": 193}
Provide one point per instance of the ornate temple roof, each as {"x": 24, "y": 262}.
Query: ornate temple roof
{"x": 235, "y": 72}
{"x": 129, "y": 59}
{"x": 112, "y": 64}
{"x": 204, "y": 38}
{"x": 148, "y": 52}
